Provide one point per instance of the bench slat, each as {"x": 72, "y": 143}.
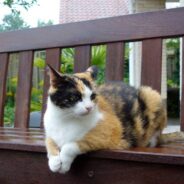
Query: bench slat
{"x": 182, "y": 93}
{"x": 115, "y": 61}
{"x": 82, "y": 58}
{"x": 24, "y": 89}
{"x": 34, "y": 130}
{"x": 166, "y": 154}
{"x": 152, "y": 63}
{"x": 53, "y": 59}
{"x": 152, "y": 155}
{"x": 165, "y": 23}
{"x": 23, "y": 145}
{"x": 22, "y": 137}
{"x": 3, "y": 75}
{"x": 20, "y": 133}
{"x": 33, "y": 168}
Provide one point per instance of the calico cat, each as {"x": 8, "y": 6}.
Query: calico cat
{"x": 81, "y": 117}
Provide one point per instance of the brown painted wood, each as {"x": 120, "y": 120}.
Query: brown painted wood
{"x": 24, "y": 89}
{"x": 182, "y": 93}
{"x": 26, "y": 132}
{"x": 152, "y": 63}
{"x": 3, "y": 76}
{"x": 21, "y": 134}
{"x": 39, "y": 130}
{"x": 82, "y": 58}
{"x": 29, "y": 140}
{"x": 53, "y": 59}
{"x": 92, "y": 170}
{"x": 166, "y": 23}
{"x": 114, "y": 62}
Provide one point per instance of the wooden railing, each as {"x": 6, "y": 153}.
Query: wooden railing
{"x": 150, "y": 29}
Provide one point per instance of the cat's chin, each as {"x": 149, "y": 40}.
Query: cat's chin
{"x": 83, "y": 114}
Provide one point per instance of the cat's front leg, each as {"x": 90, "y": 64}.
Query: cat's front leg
{"x": 54, "y": 161}
{"x": 68, "y": 153}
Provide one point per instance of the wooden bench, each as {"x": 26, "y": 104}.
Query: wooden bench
{"x": 22, "y": 152}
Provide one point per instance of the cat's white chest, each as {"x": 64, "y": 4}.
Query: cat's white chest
{"x": 63, "y": 130}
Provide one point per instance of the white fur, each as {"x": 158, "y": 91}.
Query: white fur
{"x": 80, "y": 108}
{"x": 154, "y": 140}
{"x": 67, "y": 155}
{"x": 66, "y": 126}
{"x": 54, "y": 163}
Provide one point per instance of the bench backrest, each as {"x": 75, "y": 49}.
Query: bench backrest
{"x": 149, "y": 28}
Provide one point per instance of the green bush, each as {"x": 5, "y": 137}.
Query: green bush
{"x": 174, "y": 80}
{"x": 9, "y": 112}
{"x": 98, "y": 58}
{"x": 10, "y": 101}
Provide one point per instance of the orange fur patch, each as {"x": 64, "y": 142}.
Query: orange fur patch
{"x": 52, "y": 90}
{"x": 52, "y": 148}
{"x": 80, "y": 86}
{"x": 108, "y": 132}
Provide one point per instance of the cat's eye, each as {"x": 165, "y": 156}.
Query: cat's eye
{"x": 74, "y": 98}
{"x": 93, "y": 96}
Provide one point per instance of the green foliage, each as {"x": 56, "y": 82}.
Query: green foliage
{"x": 172, "y": 84}
{"x": 37, "y": 91}
{"x": 9, "y": 114}
{"x": 173, "y": 44}
{"x": 98, "y": 58}
{"x": 99, "y": 55}
{"x": 67, "y": 60}
{"x": 13, "y": 22}
{"x": 174, "y": 80}
{"x": 126, "y": 64}
{"x": 36, "y": 98}
{"x": 10, "y": 101}
{"x": 15, "y": 5}
{"x": 39, "y": 63}
{"x": 41, "y": 23}
{"x": 11, "y": 88}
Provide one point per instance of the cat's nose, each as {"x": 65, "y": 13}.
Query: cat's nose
{"x": 89, "y": 108}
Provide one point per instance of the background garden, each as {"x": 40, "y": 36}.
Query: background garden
{"x": 14, "y": 21}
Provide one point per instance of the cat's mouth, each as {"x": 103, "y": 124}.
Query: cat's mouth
{"x": 85, "y": 113}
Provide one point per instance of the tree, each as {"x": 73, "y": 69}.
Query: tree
{"x": 13, "y": 22}
{"x": 41, "y": 23}
{"x": 14, "y": 5}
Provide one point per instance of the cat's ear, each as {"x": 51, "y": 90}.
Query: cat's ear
{"x": 93, "y": 70}
{"x": 57, "y": 78}
{"x": 54, "y": 75}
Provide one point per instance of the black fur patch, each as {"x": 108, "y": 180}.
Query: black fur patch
{"x": 86, "y": 82}
{"x": 66, "y": 98}
{"x": 66, "y": 94}
{"x": 94, "y": 72}
{"x": 141, "y": 104}
{"x": 144, "y": 117}
{"x": 130, "y": 137}
{"x": 93, "y": 96}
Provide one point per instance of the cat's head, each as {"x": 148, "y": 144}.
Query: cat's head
{"x": 75, "y": 93}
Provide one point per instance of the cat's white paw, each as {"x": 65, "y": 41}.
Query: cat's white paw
{"x": 67, "y": 155}
{"x": 65, "y": 167}
{"x": 55, "y": 163}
